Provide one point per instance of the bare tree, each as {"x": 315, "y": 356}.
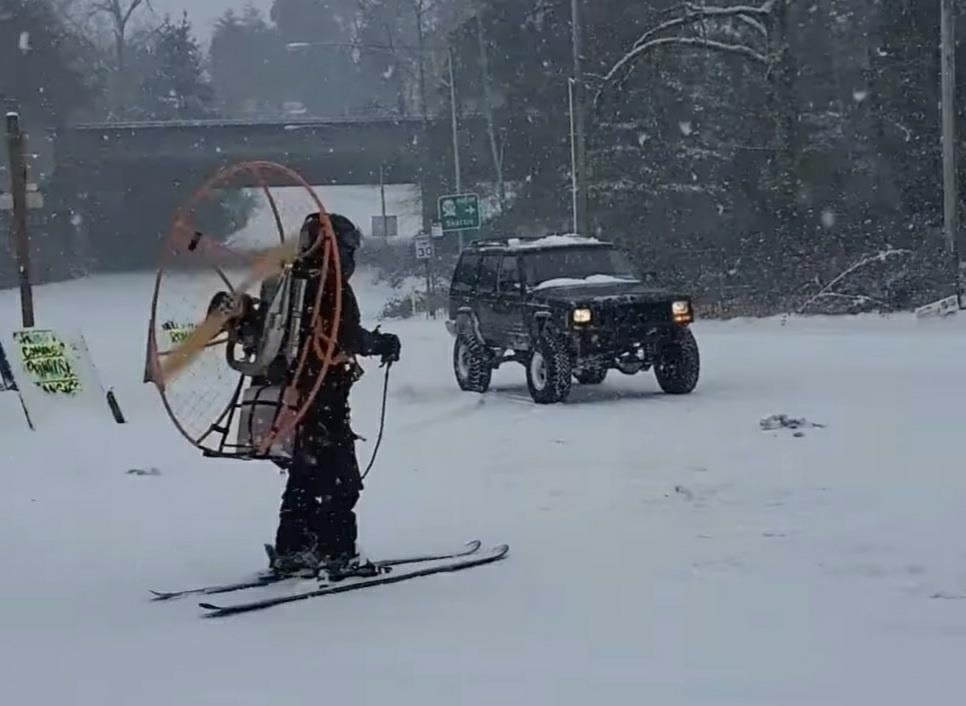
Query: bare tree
{"x": 120, "y": 14}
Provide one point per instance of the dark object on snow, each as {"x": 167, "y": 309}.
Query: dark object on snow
{"x": 317, "y": 521}
{"x": 782, "y": 421}
{"x": 115, "y": 407}
{"x": 144, "y": 472}
{"x": 566, "y": 308}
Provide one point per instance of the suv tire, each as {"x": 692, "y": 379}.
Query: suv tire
{"x": 470, "y": 363}
{"x": 679, "y": 366}
{"x": 549, "y": 370}
{"x": 592, "y": 375}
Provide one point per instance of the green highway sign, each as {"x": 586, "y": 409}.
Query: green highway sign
{"x": 459, "y": 212}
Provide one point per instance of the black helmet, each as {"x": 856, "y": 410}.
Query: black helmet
{"x": 347, "y": 235}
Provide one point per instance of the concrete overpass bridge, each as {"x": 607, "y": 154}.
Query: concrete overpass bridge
{"x": 324, "y": 151}
{"x": 115, "y": 174}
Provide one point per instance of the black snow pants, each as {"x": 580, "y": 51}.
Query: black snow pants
{"x": 323, "y": 478}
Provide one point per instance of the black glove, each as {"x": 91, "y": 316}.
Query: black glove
{"x": 388, "y": 346}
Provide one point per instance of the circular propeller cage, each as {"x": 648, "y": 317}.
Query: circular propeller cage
{"x": 214, "y": 406}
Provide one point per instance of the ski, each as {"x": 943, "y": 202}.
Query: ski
{"x": 456, "y": 564}
{"x": 268, "y": 578}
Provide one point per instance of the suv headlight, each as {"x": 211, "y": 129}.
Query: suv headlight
{"x": 583, "y": 316}
{"x": 681, "y": 312}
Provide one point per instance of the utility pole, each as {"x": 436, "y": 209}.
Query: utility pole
{"x": 382, "y": 196}
{"x": 950, "y": 185}
{"x": 573, "y": 157}
{"x": 579, "y": 118}
{"x": 18, "y": 191}
{"x": 456, "y": 135}
{"x": 455, "y": 123}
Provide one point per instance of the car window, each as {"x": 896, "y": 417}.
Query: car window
{"x": 488, "y": 273}
{"x": 467, "y": 273}
{"x": 509, "y": 274}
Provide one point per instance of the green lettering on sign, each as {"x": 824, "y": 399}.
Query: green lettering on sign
{"x": 459, "y": 212}
{"x": 177, "y": 333}
{"x": 48, "y": 362}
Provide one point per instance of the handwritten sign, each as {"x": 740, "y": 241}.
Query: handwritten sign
{"x": 48, "y": 362}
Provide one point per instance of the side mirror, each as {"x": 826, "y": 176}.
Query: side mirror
{"x": 650, "y": 276}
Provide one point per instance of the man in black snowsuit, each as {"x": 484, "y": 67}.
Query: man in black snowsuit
{"x": 317, "y": 523}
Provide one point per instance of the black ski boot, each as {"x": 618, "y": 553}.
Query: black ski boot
{"x": 305, "y": 563}
{"x": 337, "y": 568}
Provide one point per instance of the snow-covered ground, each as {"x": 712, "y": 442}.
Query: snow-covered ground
{"x": 663, "y": 550}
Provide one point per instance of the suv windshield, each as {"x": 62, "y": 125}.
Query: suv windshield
{"x": 564, "y": 265}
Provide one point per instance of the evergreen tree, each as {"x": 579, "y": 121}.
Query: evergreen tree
{"x": 42, "y": 63}
{"x": 248, "y": 65}
{"x": 179, "y": 88}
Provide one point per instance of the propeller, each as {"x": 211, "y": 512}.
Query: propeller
{"x": 268, "y": 263}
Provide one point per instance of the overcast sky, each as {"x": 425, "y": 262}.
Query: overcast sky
{"x": 203, "y": 13}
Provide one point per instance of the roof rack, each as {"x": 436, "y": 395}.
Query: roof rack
{"x": 534, "y": 242}
{"x": 503, "y": 238}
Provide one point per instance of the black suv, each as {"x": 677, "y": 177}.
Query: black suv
{"x": 566, "y": 308}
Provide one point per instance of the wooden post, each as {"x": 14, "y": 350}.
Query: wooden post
{"x": 18, "y": 190}
{"x": 430, "y": 310}
{"x": 950, "y": 185}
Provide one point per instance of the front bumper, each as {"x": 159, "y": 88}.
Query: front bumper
{"x": 643, "y": 342}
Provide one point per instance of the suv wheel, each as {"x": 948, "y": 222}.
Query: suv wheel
{"x": 679, "y": 365}
{"x": 470, "y": 364}
{"x": 591, "y": 375}
{"x": 549, "y": 370}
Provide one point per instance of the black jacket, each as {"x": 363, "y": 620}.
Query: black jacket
{"x": 352, "y": 339}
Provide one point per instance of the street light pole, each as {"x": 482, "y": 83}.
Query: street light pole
{"x": 579, "y": 122}
{"x": 382, "y": 196}
{"x": 573, "y": 155}
{"x": 456, "y": 135}
{"x": 950, "y": 185}
{"x": 455, "y": 123}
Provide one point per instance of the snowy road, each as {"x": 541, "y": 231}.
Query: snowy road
{"x": 663, "y": 550}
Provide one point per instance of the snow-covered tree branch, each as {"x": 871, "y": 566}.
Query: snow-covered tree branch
{"x": 696, "y": 13}
{"x": 675, "y": 32}
{"x": 685, "y": 41}
{"x": 828, "y": 290}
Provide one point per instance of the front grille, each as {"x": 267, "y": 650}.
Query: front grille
{"x": 632, "y": 317}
